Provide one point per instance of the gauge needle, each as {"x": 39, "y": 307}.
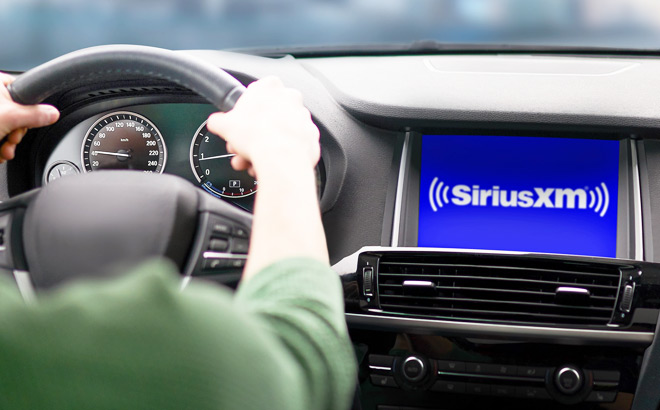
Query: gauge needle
{"x": 217, "y": 156}
{"x": 116, "y": 154}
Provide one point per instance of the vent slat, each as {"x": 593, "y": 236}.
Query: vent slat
{"x": 502, "y": 314}
{"x": 514, "y": 291}
{"x": 508, "y": 302}
{"x": 467, "y": 290}
{"x": 487, "y": 278}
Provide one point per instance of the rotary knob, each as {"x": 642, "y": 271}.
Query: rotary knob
{"x": 569, "y": 380}
{"x": 413, "y": 369}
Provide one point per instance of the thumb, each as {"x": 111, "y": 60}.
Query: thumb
{"x": 218, "y": 124}
{"x": 14, "y": 116}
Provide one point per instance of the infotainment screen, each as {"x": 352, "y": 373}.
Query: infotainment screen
{"x": 551, "y": 195}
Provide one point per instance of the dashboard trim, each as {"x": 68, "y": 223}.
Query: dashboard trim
{"x": 403, "y": 165}
{"x": 637, "y": 204}
{"x": 391, "y": 323}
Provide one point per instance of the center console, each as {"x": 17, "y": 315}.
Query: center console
{"x": 515, "y": 276}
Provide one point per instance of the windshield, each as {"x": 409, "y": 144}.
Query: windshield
{"x": 34, "y": 31}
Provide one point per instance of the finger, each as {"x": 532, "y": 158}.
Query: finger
{"x": 251, "y": 172}
{"x": 7, "y": 151}
{"x": 239, "y": 163}
{"x": 6, "y": 79}
{"x": 27, "y": 116}
{"x": 217, "y": 123}
{"x": 230, "y": 148}
{"x": 16, "y": 136}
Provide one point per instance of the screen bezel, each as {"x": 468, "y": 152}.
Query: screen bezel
{"x": 409, "y": 220}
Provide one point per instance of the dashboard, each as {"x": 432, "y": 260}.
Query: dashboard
{"x": 494, "y": 218}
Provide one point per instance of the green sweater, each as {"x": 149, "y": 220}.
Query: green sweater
{"x": 137, "y": 342}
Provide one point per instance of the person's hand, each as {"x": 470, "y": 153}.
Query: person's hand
{"x": 268, "y": 123}
{"x": 15, "y": 119}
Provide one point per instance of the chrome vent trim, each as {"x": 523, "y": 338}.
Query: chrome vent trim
{"x": 497, "y": 290}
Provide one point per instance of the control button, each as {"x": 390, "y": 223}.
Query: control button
{"x": 502, "y": 369}
{"x": 240, "y": 232}
{"x": 450, "y": 366}
{"x": 568, "y": 380}
{"x": 218, "y": 245}
{"x": 381, "y": 360}
{"x": 478, "y": 389}
{"x": 530, "y": 371}
{"x": 606, "y": 375}
{"x": 383, "y": 381}
{"x": 413, "y": 369}
{"x": 503, "y": 391}
{"x": 213, "y": 264}
{"x": 368, "y": 280}
{"x": 476, "y": 368}
{"x": 532, "y": 393}
{"x": 222, "y": 229}
{"x": 601, "y": 396}
{"x": 627, "y": 299}
{"x": 448, "y": 387}
{"x": 235, "y": 263}
{"x": 239, "y": 245}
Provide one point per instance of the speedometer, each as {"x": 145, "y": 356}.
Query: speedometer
{"x": 211, "y": 164}
{"x": 123, "y": 140}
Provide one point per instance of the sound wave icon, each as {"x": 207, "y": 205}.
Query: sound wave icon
{"x": 434, "y": 194}
{"x": 599, "y": 200}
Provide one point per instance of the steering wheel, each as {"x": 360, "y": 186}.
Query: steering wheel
{"x": 97, "y": 223}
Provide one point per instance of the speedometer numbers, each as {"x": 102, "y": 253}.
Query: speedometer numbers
{"x": 211, "y": 164}
{"x": 124, "y": 140}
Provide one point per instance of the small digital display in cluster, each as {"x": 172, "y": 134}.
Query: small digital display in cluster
{"x": 551, "y": 195}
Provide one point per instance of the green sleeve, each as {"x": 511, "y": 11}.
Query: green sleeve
{"x": 138, "y": 343}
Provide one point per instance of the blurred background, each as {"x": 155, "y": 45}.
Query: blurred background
{"x": 34, "y": 31}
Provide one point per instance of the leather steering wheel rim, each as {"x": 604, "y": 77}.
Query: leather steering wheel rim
{"x": 116, "y": 62}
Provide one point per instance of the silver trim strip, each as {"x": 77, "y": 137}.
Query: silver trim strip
{"x": 637, "y": 205}
{"x": 403, "y": 166}
{"x": 224, "y": 255}
{"x": 25, "y": 287}
{"x": 569, "y": 335}
{"x": 569, "y": 289}
{"x": 388, "y": 369}
{"x": 420, "y": 283}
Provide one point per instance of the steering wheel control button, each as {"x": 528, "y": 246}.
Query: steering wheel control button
{"x": 446, "y": 386}
{"x": 240, "y": 232}
{"x": 413, "y": 369}
{"x": 218, "y": 245}
{"x": 568, "y": 380}
{"x": 221, "y": 229}
{"x": 601, "y": 396}
{"x": 239, "y": 245}
{"x": 214, "y": 264}
{"x": 383, "y": 381}
{"x": 236, "y": 263}
{"x": 450, "y": 366}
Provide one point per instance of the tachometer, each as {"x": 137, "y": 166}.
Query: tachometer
{"x": 123, "y": 140}
{"x": 211, "y": 164}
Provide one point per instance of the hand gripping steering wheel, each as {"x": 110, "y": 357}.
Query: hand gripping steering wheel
{"x": 98, "y": 223}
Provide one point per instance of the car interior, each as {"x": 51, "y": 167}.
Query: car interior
{"x": 492, "y": 214}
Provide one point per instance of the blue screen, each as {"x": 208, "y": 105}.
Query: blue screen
{"x": 550, "y": 195}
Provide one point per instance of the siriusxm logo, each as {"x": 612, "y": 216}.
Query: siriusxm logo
{"x": 597, "y": 199}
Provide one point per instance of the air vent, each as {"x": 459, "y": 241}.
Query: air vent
{"x": 498, "y": 289}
